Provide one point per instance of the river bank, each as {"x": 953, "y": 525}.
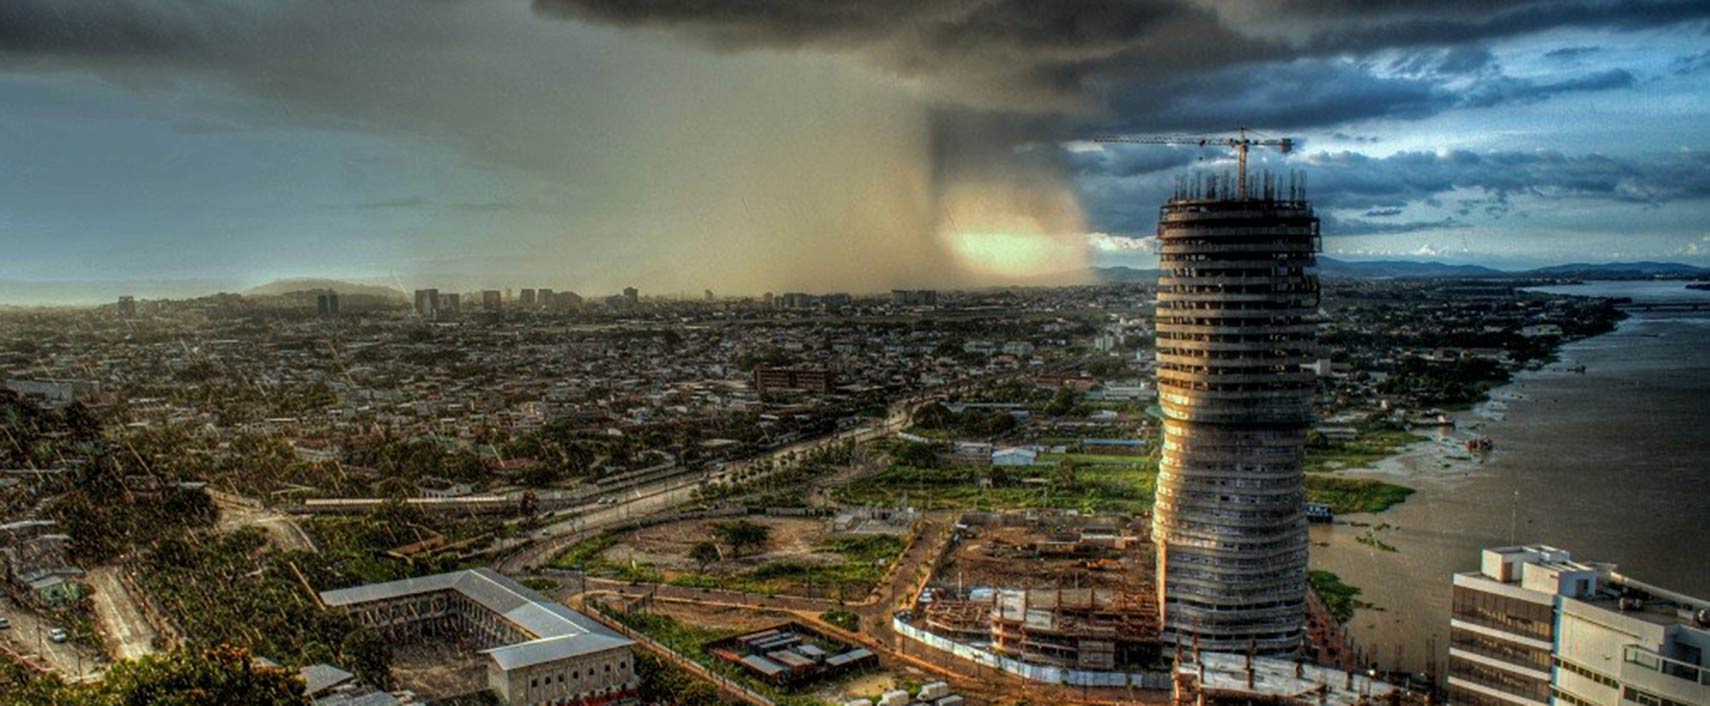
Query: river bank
{"x": 1605, "y": 463}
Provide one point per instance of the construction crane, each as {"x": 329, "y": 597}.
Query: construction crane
{"x": 1239, "y": 144}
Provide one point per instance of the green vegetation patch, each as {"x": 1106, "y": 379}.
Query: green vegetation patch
{"x": 228, "y": 589}
{"x": 1338, "y": 596}
{"x": 185, "y": 675}
{"x": 1348, "y": 495}
{"x": 843, "y": 619}
{"x": 863, "y": 565}
{"x": 581, "y": 554}
{"x": 1090, "y": 487}
{"x": 1371, "y": 446}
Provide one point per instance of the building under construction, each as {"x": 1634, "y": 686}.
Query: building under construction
{"x": 1078, "y": 628}
{"x": 1235, "y": 320}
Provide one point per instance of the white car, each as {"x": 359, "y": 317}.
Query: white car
{"x": 5, "y": 623}
{"x": 58, "y": 635}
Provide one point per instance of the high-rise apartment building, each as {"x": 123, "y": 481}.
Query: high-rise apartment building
{"x": 492, "y": 300}
{"x": 526, "y": 298}
{"x": 326, "y": 304}
{"x": 1236, "y": 318}
{"x": 1533, "y": 627}
{"x": 427, "y": 303}
{"x": 450, "y": 305}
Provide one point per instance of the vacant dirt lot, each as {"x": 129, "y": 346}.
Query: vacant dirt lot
{"x": 999, "y": 557}
{"x": 667, "y": 546}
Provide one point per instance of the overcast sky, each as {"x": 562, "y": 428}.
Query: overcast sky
{"x": 752, "y": 145}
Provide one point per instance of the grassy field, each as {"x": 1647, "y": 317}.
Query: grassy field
{"x": 1345, "y": 495}
{"x": 864, "y": 564}
{"x": 1101, "y": 487}
{"x": 1371, "y": 446}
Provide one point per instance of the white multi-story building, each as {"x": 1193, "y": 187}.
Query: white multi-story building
{"x": 540, "y": 652}
{"x": 1532, "y": 627}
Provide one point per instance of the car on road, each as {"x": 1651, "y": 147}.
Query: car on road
{"x": 58, "y": 635}
{"x": 5, "y": 623}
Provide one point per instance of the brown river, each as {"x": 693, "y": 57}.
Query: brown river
{"x": 1609, "y": 463}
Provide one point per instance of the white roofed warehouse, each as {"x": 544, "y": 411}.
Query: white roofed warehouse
{"x": 540, "y": 652}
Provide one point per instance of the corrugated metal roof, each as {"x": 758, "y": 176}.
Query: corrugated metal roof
{"x": 320, "y": 677}
{"x": 763, "y": 665}
{"x": 559, "y": 632}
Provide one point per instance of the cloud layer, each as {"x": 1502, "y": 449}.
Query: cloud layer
{"x": 860, "y": 144}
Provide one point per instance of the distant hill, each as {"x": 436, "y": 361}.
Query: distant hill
{"x": 289, "y": 286}
{"x": 1403, "y": 269}
{"x": 1332, "y": 267}
{"x": 1120, "y": 274}
{"x": 1585, "y": 270}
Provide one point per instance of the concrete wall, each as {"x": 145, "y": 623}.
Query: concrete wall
{"x": 566, "y": 681}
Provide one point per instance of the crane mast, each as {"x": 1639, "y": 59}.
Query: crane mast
{"x": 1240, "y": 144}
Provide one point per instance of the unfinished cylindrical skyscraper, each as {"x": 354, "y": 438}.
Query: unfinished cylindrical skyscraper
{"x": 1236, "y": 319}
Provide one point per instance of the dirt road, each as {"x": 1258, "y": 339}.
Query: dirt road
{"x": 238, "y": 512}
{"x": 117, "y": 615}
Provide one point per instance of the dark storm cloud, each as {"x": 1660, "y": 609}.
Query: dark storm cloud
{"x": 118, "y": 29}
{"x": 1571, "y": 53}
{"x": 1132, "y": 160}
{"x": 1318, "y": 92}
{"x": 1333, "y": 225}
{"x": 1691, "y": 64}
{"x": 1015, "y": 52}
{"x": 1353, "y": 180}
{"x": 1141, "y": 64}
{"x": 1443, "y": 62}
{"x": 1503, "y": 89}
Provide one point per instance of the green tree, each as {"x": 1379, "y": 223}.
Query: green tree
{"x": 1063, "y": 401}
{"x": 219, "y": 676}
{"x": 704, "y": 553}
{"x": 368, "y": 656}
{"x": 743, "y": 535}
{"x": 915, "y": 454}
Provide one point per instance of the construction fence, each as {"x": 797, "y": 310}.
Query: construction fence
{"x": 1049, "y": 674}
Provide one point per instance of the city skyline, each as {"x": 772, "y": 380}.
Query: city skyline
{"x": 944, "y": 144}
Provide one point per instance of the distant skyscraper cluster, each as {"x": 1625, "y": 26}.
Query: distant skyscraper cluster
{"x": 914, "y": 297}
{"x": 432, "y": 305}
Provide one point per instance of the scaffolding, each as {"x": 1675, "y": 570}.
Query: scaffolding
{"x": 1236, "y": 319}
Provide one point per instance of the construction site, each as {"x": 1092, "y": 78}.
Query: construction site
{"x": 1071, "y": 591}
{"x": 1050, "y": 589}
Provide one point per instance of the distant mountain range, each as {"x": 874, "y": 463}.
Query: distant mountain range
{"x": 1403, "y": 269}
{"x": 288, "y": 286}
